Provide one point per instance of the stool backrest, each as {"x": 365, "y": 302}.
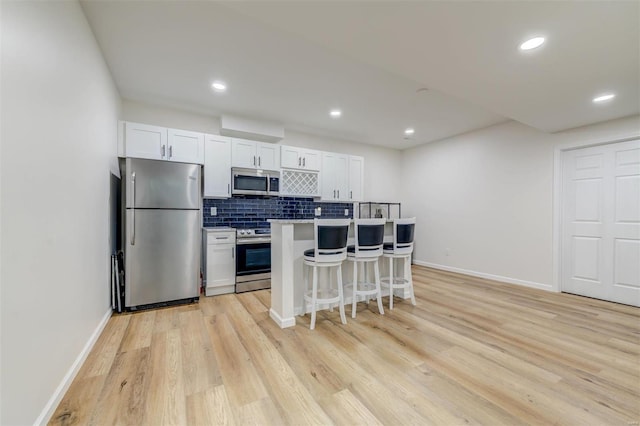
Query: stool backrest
{"x": 403, "y": 230}
{"x": 369, "y": 235}
{"x": 330, "y": 239}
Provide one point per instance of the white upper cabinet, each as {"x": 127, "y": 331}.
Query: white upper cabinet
{"x": 185, "y": 146}
{"x": 335, "y": 176}
{"x": 268, "y": 156}
{"x": 217, "y": 166}
{"x": 254, "y": 155}
{"x": 160, "y": 143}
{"x": 292, "y": 157}
{"x": 144, "y": 141}
{"x": 243, "y": 153}
{"x": 356, "y": 178}
{"x": 342, "y": 177}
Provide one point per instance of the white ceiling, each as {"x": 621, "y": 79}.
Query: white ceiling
{"x": 294, "y": 61}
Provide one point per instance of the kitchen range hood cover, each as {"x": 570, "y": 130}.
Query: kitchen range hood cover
{"x": 245, "y": 128}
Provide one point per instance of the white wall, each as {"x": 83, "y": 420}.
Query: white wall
{"x": 59, "y": 114}
{"x": 487, "y": 196}
{"x": 382, "y": 165}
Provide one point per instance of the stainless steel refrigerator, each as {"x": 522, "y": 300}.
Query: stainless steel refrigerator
{"x": 161, "y": 231}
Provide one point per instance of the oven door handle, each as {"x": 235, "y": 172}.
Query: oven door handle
{"x": 253, "y": 241}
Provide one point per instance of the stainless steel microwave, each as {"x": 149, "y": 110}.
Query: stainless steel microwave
{"x": 254, "y": 182}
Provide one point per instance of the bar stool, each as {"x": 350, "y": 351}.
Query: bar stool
{"x": 330, "y": 250}
{"x": 369, "y": 237}
{"x": 400, "y": 248}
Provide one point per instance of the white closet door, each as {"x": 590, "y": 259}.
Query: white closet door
{"x": 601, "y": 222}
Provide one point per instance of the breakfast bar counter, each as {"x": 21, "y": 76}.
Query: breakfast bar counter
{"x": 289, "y": 239}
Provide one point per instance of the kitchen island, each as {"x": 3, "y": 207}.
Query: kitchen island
{"x": 289, "y": 239}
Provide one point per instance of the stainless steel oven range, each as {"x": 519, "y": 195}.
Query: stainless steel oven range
{"x": 253, "y": 259}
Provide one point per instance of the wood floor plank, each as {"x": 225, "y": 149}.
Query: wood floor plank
{"x": 101, "y": 358}
{"x": 345, "y": 408}
{"x": 472, "y": 351}
{"x": 242, "y": 382}
{"x": 124, "y": 395}
{"x": 72, "y": 410}
{"x": 210, "y": 407}
{"x": 139, "y": 331}
{"x": 199, "y": 365}
{"x": 297, "y": 404}
{"x": 167, "y": 402}
{"x": 261, "y": 412}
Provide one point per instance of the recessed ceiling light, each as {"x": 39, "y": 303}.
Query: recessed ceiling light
{"x": 335, "y": 113}
{"x": 603, "y": 98}
{"x": 532, "y": 43}
{"x": 219, "y": 86}
{"x": 409, "y": 131}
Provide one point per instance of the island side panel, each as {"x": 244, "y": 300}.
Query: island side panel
{"x": 282, "y": 276}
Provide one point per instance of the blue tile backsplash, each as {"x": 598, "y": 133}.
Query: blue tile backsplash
{"x": 253, "y": 211}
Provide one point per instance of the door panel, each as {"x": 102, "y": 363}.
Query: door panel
{"x": 586, "y": 252}
{"x": 600, "y": 255}
{"x": 162, "y": 256}
{"x": 588, "y": 200}
{"x": 627, "y": 266}
{"x": 162, "y": 184}
{"x": 627, "y": 188}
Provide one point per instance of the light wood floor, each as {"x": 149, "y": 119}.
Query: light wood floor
{"x": 471, "y": 351}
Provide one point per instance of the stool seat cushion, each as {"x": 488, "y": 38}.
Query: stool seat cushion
{"x": 312, "y": 253}
{"x": 352, "y": 249}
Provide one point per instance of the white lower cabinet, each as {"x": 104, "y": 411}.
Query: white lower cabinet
{"x": 220, "y": 261}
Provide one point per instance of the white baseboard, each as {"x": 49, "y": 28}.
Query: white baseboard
{"x": 533, "y": 284}
{"x": 62, "y": 388}
{"x": 283, "y": 323}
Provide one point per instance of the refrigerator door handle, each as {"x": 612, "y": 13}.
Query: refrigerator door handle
{"x": 133, "y": 210}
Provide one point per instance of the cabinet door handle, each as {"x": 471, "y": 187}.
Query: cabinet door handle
{"x": 133, "y": 210}
{"x": 233, "y": 252}
{"x": 299, "y": 161}
{"x": 170, "y": 151}
{"x": 259, "y": 161}
{"x": 254, "y": 160}
{"x": 334, "y": 193}
{"x": 304, "y": 162}
{"x": 351, "y": 195}
{"x": 228, "y": 188}
{"x": 338, "y": 193}
{"x": 163, "y": 150}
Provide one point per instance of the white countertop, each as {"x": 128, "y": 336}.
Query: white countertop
{"x": 218, "y": 229}
{"x": 288, "y": 221}
{"x": 285, "y": 221}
